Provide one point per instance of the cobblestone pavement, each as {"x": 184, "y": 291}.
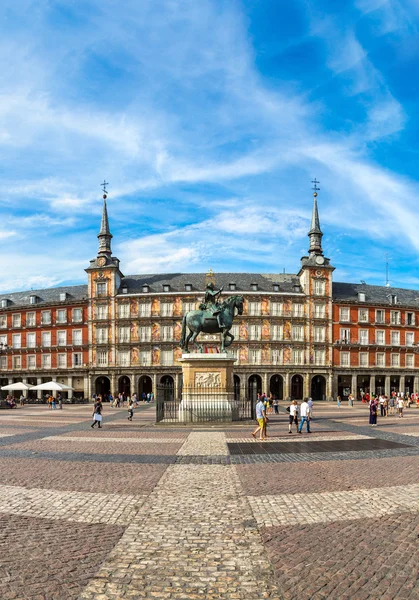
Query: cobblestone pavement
{"x": 139, "y": 511}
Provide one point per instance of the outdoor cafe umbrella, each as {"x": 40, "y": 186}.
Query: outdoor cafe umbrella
{"x": 52, "y": 386}
{"x": 24, "y": 387}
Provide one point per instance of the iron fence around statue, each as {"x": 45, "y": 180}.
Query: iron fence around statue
{"x": 203, "y": 404}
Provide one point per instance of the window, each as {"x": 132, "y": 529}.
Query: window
{"x": 410, "y": 338}
{"x": 62, "y": 361}
{"x": 124, "y": 310}
{"x": 3, "y": 321}
{"x": 61, "y": 338}
{"x": 410, "y": 318}
{"x": 319, "y": 357}
{"x": 123, "y": 358}
{"x": 166, "y": 287}
{"x": 166, "y": 357}
{"x": 410, "y": 360}
{"x": 361, "y": 296}
{"x": 395, "y": 360}
{"x": 3, "y": 340}
{"x": 16, "y": 340}
{"x": 63, "y": 296}
{"x": 395, "y": 338}
{"x": 275, "y": 287}
{"x": 124, "y": 335}
{"x": 254, "y": 356}
{"x": 101, "y": 289}
{"x": 254, "y": 287}
{"x": 167, "y": 333}
{"x": 319, "y": 287}
{"x": 77, "y": 337}
{"x": 380, "y": 316}
{"x": 102, "y": 358}
{"x": 46, "y": 339}
{"x": 235, "y": 354}
{"x": 344, "y": 359}
{"x": 101, "y": 311}
{"x": 33, "y": 299}
{"x": 363, "y": 315}
{"x": 319, "y": 311}
{"x": 298, "y": 333}
{"x": 16, "y": 320}
{"x": 77, "y": 315}
{"x": 31, "y": 361}
{"x": 255, "y": 332}
{"x": 188, "y": 287}
{"x": 297, "y": 357}
{"x": 145, "y": 288}
{"x": 363, "y": 336}
{"x": 297, "y": 310}
{"x": 145, "y": 309}
{"x": 235, "y": 330}
{"x": 3, "y": 362}
{"x": 276, "y": 332}
{"x": 187, "y": 307}
{"x": 344, "y": 314}
{"x": 345, "y": 336}
{"x": 395, "y": 317}
{"x": 61, "y": 315}
{"x": 319, "y": 334}
{"x": 380, "y": 337}
{"x": 393, "y": 299}
{"x": 380, "y": 359}
{"x": 254, "y": 309}
{"x": 276, "y": 356}
{"x": 101, "y": 335}
{"x": 16, "y": 362}
{"x": 30, "y": 319}
{"x": 4, "y": 303}
{"x": 145, "y": 334}
{"x": 145, "y": 357}
{"x": 77, "y": 359}
{"x": 46, "y": 361}
{"x": 46, "y": 317}
{"x": 363, "y": 359}
{"x": 124, "y": 289}
{"x": 276, "y": 309}
{"x": 31, "y": 340}
{"x": 166, "y": 309}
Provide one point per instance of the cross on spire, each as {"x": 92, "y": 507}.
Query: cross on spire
{"x": 103, "y": 186}
{"x": 315, "y": 188}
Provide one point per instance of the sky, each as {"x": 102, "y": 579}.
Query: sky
{"x": 209, "y": 120}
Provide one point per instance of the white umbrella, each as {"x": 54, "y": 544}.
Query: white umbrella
{"x": 17, "y": 386}
{"x": 52, "y": 386}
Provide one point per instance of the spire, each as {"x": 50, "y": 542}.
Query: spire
{"x": 104, "y": 235}
{"x": 315, "y": 234}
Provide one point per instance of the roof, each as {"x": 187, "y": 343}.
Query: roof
{"x": 243, "y": 281}
{"x": 46, "y": 296}
{"x": 374, "y": 294}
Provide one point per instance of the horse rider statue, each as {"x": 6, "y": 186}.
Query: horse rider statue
{"x": 211, "y": 303}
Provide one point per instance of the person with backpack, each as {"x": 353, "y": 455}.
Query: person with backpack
{"x": 97, "y": 414}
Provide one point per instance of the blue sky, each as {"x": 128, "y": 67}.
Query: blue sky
{"x": 209, "y": 119}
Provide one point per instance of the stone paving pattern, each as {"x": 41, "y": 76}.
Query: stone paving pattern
{"x": 139, "y": 511}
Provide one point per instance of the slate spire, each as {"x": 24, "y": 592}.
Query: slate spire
{"x": 315, "y": 234}
{"x": 105, "y": 235}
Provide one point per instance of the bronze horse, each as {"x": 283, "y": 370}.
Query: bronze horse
{"x": 198, "y": 321}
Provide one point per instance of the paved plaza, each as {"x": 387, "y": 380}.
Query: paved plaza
{"x": 136, "y": 510}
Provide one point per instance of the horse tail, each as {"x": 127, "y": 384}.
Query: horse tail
{"x": 183, "y": 335}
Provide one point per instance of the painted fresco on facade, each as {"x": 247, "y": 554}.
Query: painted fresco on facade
{"x": 265, "y": 306}
{"x": 177, "y": 307}
{"x": 244, "y": 330}
{"x": 177, "y": 331}
{"x": 266, "y": 354}
{"x": 243, "y": 354}
{"x": 155, "y": 332}
{"x": 135, "y": 358}
{"x": 287, "y": 355}
{"x": 155, "y": 307}
{"x": 266, "y": 330}
{"x": 155, "y": 355}
{"x": 134, "y": 331}
{"x": 287, "y": 330}
{"x": 134, "y": 307}
{"x": 287, "y": 306}
{"x": 177, "y": 354}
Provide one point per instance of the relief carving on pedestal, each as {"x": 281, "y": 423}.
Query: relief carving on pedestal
{"x": 208, "y": 379}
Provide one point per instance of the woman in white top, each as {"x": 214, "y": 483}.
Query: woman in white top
{"x": 293, "y": 417}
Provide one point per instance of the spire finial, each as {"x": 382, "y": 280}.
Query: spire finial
{"x": 105, "y": 191}
{"x": 105, "y": 235}
{"x": 315, "y": 234}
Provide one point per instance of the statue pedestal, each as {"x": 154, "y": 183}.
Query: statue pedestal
{"x": 208, "y": 388}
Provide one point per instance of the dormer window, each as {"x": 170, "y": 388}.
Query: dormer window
{"x": 296, "y": 288}
{"x": 124, "y": 289}
{"x": 276, "y": 287}
{"x": 166, "y": 287}
{"x": 232, "y": 287}
{"x": 63, "y": 297}
{"x": 34, "y": 299}
{"x": 4, "y": 303}
{"x": 146, "y": 288}
{"x": 361, "y": 296}
{"x": 254, "y": 287}
{"x": 393, "y": 299}
{"x": 188, "y": 287}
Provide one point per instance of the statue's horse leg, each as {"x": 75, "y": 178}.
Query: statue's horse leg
{"x": 193, "y": 340}
{"x": 228, "y": 342}
{"x": 224, "y": 335}
{"x": 188, "y": 339}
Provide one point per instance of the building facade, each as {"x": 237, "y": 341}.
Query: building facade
{"x": 300, "y": 334}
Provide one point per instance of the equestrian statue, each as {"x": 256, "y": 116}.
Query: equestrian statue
{"x": 212, "y": 317}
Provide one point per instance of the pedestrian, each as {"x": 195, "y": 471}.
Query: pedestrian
{"x": 338, "y": 400}
{"x": 110, "y": 399}
{"x": 400, "y": 406}
{"x": 261, "y": 419}
{"x": 97, "y": 414}
{"x": 381, "y": 402}
{"x": 22, "y": 400}
{"x": 53, "y": 403}
{"x": 350, "y": 400}
{"x": 310, "y": 407}
{"x": 148, "y": 398}
{"x": 130, "y": 409}
{"x": 276, "y": 408}
{"x": 49, "y": 400}
{"x": 143, "y": 396}
{"x": 391, "y": 405}
{"x": 373, "y": 412}
{"x": 305, "y": 417}
{"x": 293, "y": 416}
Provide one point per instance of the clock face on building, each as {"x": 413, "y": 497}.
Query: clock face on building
{"x": 319, "y": 260}
{"x": 101, "y": 261}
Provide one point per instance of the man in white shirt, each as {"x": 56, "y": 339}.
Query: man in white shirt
{"x": 305, "y": 416}
{"x": 310, "y": 407}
